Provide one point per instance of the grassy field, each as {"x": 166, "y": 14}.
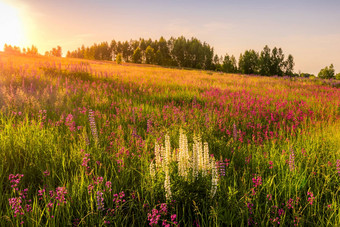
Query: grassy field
{"x": 93, "y": 143}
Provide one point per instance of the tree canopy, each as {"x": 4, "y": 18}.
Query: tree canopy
{"x": 189, "y": 53}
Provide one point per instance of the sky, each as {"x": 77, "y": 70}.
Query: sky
{"x": 307, "y": 29}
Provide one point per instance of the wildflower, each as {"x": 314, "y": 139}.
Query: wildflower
{"x": 195, "y": 159}
{"x": 173, "y": 217}
{"x": 15, "y": 180}
{"x": 90, "y": 188}
{"x": 235, "y": 132}
{"x": 221, "y": 168}
{"x": 165, "y": 224}
{"x": 269, "y": 197}
{"x": 311, "y": 198}
{"x": 108, "y": 185}
{"x": 291, "y": 161}
{"x": 99, "y": 180}
{"x": 290, "y": 203}
{"x": 183, "y": 155}
{"x": 61, "y": 192}
{"x": 93, "y": 126}
{"x": 167, "y": 186}
{"x": 152, "y": 170}
{"x": 214, "y": 180}
{"x": 250, "y": 207}
{"x": 281, "y": 212}
{"x": 158, "y": 155}
{"x": 154, "y": 217}
{"x": 271, "y": 163}
{"x": 46, "y": 173}
{"x": 70, "y": 123}
{"x": 86, "y": 160}
{"x": 227, "y": 162}
{"x": 15, "y": 204}
{"x": 100, "y": 200}
{"x": 149, "y": 125}
{"x": 206, "y": 158}
{"x": 163, "y": 208}
{"x": 257, "y": 180}
{"x": 167, "y": 156}
{"x": 41, "y": 194}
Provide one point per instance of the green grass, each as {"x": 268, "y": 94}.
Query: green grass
{"x": 131, "y": 114}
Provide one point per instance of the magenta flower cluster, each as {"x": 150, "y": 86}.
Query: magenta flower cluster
{"x": 161, "y": 214}
{"x": 311, "y": 198}
{"x": 15, "y": 180}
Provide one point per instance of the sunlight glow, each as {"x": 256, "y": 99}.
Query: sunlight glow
{"x": 11, "y": 31}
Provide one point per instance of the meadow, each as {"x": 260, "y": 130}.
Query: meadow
{"x": 93, "y": 143}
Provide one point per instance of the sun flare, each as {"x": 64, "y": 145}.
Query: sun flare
{"x": 11, "y": 31}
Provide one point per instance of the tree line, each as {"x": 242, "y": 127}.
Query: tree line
{"x": 188, "y": 53}
{"x": 33, "y": 50}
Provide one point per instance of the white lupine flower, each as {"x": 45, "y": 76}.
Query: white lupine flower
{"x": 195, "y": 159}
{"x": 167, "y": 157}
{"x": 152, "y": 170}
{"x": 200, "y": 154}
{"x": 163, "y": 155}
{"x": 206, "y": 160}
{"x": 167, "y": 186}
{"x": 158, "y": 156}
{"x": 183, "y": 161}
{"x": 214, "y": 177}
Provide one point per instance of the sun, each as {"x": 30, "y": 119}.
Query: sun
{"x": 11, "y": 31}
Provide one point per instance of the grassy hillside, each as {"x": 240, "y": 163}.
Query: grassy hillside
{"x": 94, "y": 143}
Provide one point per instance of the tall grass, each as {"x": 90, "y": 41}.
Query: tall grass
{"x": 83, "y": 135}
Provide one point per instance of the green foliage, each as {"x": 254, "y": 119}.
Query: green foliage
{"x": 119, "y": 58}
{"x": 273, "y": 63}
{"x": 306, "y": 75}
{"x": 149, "y": 55}
{"x": 337, "y": 76}
{"x": 190, "y": 53}
{"x": 229, "y": 64}
{"x": 327, "y": 72}
{"x": 182, "y": 52}
{"x": 248, "y": 62}
{"x": 137, "y": 56}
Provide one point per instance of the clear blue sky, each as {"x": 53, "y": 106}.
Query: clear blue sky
{"x": 309, "y": 30}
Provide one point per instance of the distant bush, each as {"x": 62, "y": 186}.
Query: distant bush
{"x": 327, "y": 72}
{"x": 337, "y": 76}
{"x": 306, "y": 75}
{"x": 119, "y": 58}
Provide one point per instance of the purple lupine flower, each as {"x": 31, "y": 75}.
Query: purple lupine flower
{"x": 100, "y": 200}
{"x": 221, "y": 168}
